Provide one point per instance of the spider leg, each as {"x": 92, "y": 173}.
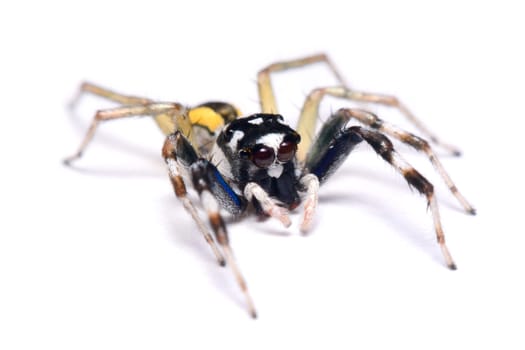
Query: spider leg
{"x": 87, "y": 87}
{"x": 330, "y": 149}
{"x": 164, "y": 121}
{"x": 382, "y": 145}
{"x": 174, "y": 112}
{"x": 310, "y": 112}
{"x": 330, "y": 155}
{"x": 372, "y": 121}
{"x": 214, "y": 193}
{"x": 341, "y": 117}
{"x": 169, "y": 153}
{"x": 264, "y": 84}
{"x": 203, "y": 185}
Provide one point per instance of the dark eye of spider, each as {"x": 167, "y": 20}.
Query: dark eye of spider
{"x": 286, "y": 151}
{"x": 263, "y": 157}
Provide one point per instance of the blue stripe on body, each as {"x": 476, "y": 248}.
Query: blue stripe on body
{"x": 224, "y": 185}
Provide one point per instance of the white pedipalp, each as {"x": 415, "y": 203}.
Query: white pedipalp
{"x": 311, "y": 183}
{"x": 269, "y": 206}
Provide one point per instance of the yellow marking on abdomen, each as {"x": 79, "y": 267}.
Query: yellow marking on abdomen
{"x": 206, "y": 117}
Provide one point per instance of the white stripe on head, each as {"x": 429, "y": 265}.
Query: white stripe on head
{"x": 256, "y": 121}
{"x": 237, "y": 135}
{"x": 273, "y": 140}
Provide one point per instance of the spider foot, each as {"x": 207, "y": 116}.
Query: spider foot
{"x": 67, "y": 161}
{"x": 446, "y": 254}
{"x": 280, "y": 214}
{"x": 451, "y": 149}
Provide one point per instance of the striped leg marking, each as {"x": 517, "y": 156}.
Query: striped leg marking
{"x": 310, "y": 114}
{"x": 212, "y": 207}
{"x": 178, "y": 154}
{"x": 382, "y": 146}
{"x": 168, "y": 152}
{"x": 371, "y": 120}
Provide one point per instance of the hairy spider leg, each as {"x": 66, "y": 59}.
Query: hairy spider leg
{"x": 87, "y": 87}
{"x": 264, "y": 84}
{"x": 170, "y": 117}
{"x": 371, "y": 120}
{"x": 310, "y": 110}
{"x": 164, "y": 121}
{"x": 214, "y": 192}
{"x": 328, "y": 156}
{"x": 169, "y": 155}
{"x": 174, "y": 112}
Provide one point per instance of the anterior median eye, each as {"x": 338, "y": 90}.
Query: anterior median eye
{"x": 286, "y": 151}
{"x": 263, "y": 156}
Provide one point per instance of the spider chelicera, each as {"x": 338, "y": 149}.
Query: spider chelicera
{"x": 238, "y": 162}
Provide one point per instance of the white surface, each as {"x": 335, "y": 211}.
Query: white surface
{"x": 104, "y": 257}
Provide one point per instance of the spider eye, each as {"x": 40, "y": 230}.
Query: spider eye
{"x": 286, "y": 151}
{"x": 263, "y": 156}
{"x": 244, "y": 153}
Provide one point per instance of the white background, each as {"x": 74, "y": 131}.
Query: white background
{"x": 102, "y": 256}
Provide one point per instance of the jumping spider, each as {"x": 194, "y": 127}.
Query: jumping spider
{"x": 258, "y": 161}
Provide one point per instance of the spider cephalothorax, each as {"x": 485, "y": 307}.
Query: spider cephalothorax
{"x": 261, "y": 149}
{"x": 233, "y": 161}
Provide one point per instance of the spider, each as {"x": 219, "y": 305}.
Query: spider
{"x": 257, "y": 161}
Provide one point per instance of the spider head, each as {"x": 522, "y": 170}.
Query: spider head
{"x": 261, "y": 141}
